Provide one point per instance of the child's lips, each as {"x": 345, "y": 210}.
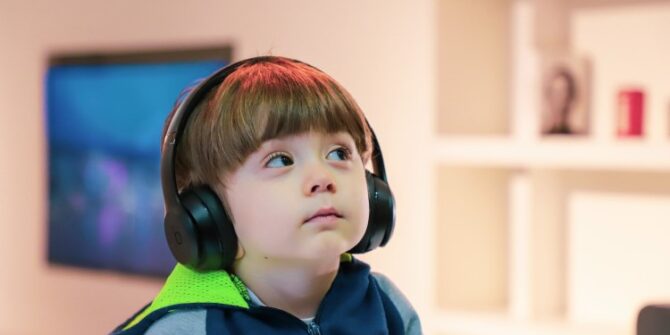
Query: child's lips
{"x": 323, "y": 220}
{"x": 325, "y": 214}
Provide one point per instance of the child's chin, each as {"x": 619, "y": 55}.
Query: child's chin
{"x": 326, "y": 247}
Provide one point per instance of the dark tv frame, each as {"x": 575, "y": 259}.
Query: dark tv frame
{"x": 142, "y": 56}
{"x": 220, "y": 52}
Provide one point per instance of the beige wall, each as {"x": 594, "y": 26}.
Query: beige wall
{"x": 380, "y": 50}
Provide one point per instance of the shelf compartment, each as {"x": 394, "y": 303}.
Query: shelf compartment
{"x": 474, "y": 80}
{"x": 472, "y": 269}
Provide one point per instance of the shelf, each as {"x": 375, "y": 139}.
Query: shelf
{"x": 502, "y": 324}
{"x": 552, "y": 153}
{"x": 532, "y": 232}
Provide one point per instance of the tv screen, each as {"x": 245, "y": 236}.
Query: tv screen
{"x": 105, "y": 115}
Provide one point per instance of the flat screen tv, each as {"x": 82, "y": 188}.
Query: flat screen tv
{"x": 104, "y": 118}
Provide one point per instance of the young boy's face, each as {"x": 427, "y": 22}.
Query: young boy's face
{"x": 278, "y": 190}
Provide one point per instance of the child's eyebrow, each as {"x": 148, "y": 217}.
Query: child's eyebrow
{"x": 271, "y": 144}
{"x": 342, "y": 137}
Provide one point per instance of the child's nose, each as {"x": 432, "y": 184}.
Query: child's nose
{"x": 323, "y": 186}
{"x": 320, "y": 180}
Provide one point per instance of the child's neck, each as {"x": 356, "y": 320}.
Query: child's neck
{"x": 296, "y": 288}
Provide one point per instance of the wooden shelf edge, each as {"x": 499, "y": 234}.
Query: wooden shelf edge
{"x": 579, "y": 154}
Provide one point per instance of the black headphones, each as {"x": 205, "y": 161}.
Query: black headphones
{"x": 198, "y": 230}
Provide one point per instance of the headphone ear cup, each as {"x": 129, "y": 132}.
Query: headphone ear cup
{"x": 223, "y": 239}
{"x": 381, "y": 220}
{"x": 181, "y": 235}
{"x": 199, "y": 233}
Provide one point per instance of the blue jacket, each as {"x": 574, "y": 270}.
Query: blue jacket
{"x": 355, "y": 304}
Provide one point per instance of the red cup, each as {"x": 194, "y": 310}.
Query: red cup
{"x": 630, "y": 110}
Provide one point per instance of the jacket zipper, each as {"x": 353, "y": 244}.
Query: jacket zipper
{"x": 313, "y": 328}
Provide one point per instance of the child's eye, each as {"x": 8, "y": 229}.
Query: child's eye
{"x": 340, "y": 153}
{"x": 278, "y": 160}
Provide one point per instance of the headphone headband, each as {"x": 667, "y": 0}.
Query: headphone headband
{"x": 176, "y": 128}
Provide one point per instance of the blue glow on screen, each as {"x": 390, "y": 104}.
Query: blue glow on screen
{"x": 104, "y": 124}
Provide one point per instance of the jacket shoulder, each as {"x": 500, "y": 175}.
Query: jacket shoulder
{"x": 191, "y": 322}
{"x": 410, "y": 318}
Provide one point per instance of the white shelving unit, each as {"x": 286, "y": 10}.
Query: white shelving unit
{"x": 520, "y": 216}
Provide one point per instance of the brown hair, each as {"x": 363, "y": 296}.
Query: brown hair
{"x": 266, "y": 98}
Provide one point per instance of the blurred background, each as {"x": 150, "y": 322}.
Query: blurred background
{"x": 527, "y": 144}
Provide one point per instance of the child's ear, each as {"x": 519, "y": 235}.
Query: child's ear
{"x": 240, "y": 251}
{"x": 367, "y": 162}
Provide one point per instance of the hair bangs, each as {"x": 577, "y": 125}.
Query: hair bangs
{"x": 263, "y": 100}
{"x": 318, "y": 108}
{"x": 280, "y": 100}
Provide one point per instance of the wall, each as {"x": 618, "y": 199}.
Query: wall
{"x": 381, "y": 51}
{"x": 474, "y": 49}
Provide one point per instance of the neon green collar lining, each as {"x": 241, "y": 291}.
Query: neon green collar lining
{"x": 186, "y": 286}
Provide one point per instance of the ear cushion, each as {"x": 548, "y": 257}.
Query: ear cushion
{"x": 381, "y": 220}
{"x": 224, "y": 237}
{"x": 199, "y": 233}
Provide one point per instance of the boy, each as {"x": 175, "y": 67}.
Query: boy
{"x": 282, "y": 147}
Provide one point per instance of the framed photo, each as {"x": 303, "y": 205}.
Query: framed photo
{"x": 565, "y": 95}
